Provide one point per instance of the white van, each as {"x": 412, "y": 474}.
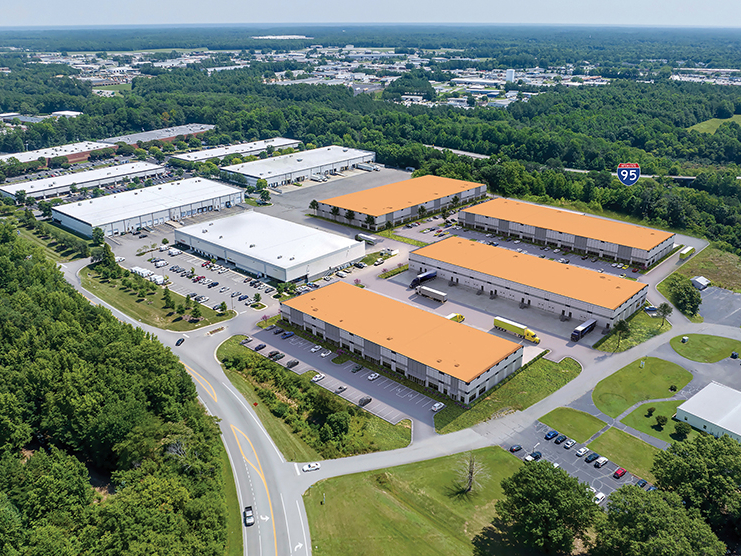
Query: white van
{"x": 601, "y": 461}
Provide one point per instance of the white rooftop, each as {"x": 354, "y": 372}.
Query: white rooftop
{"x": 243, "y": 148}
{"x": 272, "y": 240}
{"x": 80, "y": 178}
{"x": 137, "y": 202}
{"x": 51, "y": 152}
{"x": 279, "y": 165}
{"x": 155, "y": 134}
{"x": 716, "y": 404}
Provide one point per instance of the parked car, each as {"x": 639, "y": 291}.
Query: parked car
{"x": 269, "y": 290}
{"x": 591, "y": 457}
{"x": 317, "y": 377}
{"x": 249, "y": 516}
{"x": 356, "y": 368}
{"x": 560, "y": 439}
{"x": 273, "y": 353}
{"x": 601, "y": 461}
{"x": 270, "y": 327}
{"x": 341, "y": 388}
{"x": 550, "y": 435}
{"x": 315, "y": 348}
{"x": 243, "y": 297}
{"x": 235, "y": 294}
{"x": 278, "y": 357}
{"x": 515, "y": 448}
{"x": 224, "y": 289}
{"x": 535, "y": 456}
{"x": 247, "y": 340}
{"x": 365, "y": 400}
{"x": 373, "y": 376}
{"x": 642, "y": 483}
{"x": 437, "y": 406}
{"x": 569, "y": 443}
{"x": 278, "y": 331}
{"x": 325, "y": 353}
{"x": 292, "y": 363}
{"x": 599, "y": 497}
{"x": 311, "y": 467}
{"x": 258, "y": 347}
{"x": 619, "y": 473}
{"x": 287, "y": 335}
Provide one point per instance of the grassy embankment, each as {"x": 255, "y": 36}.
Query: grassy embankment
{"x": 704, "y": 348}
{"x": 643, "y": 327}
{"x": 573, "y": 423}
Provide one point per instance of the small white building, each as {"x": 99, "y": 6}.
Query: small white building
{"x": 700, "y": 282}
{"x": 253, "y": 148}
{"x": 716, "y": 410}
{"x": 75, "y": 152}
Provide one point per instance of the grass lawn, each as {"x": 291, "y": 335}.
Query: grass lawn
{"x": 530, "y": 385}
{"x": 51, "y": 248}
{"x": 370, "y": 258}
{"x": 573, "y": 423}
{"x": 391, "y": 235}
{"x": 631, "y": 384}
{"x": 394, "y": 271}
{"x": 626, "y": 451}
{"x": 722, "y": 268}
{"x": 704, "y": 348}
{"x": 642, "y": 328}
{"x": 663, "y": 290}
{"x": 234, "y": 511}
{"x": 411, "y": 509}
{"x": 712, "y": 125}
{"x": 639, "y": 420}
{"x": 371, "y": 432}
{"x": 150, "y": 310}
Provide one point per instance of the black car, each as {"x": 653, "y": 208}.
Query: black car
{"x": 642, "y": 483}
{"x": 273, "y": 353}
{"x": 292, "y": 363}
{"x": 515, "y": 448}
{"x": 180, "y": 341}
{"x": 278, "y": 331}
{"x": 260, "y": 346}
{"x": 365, "y": 400}
{"x": 278, "y": 357}
{"x": 560, "y": 439}
{"x": 591, "y": 457}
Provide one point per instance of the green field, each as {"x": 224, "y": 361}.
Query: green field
{"x": 539, "y": 380}
{"x": 627, "y": 451}
{"x": 149, "y": 310}
{"x": 414, "y": 509}
{"x": 642, "y": 328}
{"x": 704, "y": 348}
{"x": 631, "y": 385}
{"x": 722, "y": 268}
{"x": 639, "y": 420}
{"x": 119, "y": 87}
{"x": 234, "y": 545}
{"x": 712, "y": 125}
{"x": 573, "y": 423}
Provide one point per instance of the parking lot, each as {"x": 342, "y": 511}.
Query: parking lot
{"x": 600, "y": 479}
{"x": 391, "y": 401}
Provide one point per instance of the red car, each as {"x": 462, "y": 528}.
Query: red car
{"x": 204, "y": 264}
{"x": 619, "y": 473}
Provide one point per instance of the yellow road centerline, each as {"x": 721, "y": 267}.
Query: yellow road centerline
{"x": 202, "y": 381}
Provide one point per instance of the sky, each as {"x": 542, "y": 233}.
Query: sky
{"x": 692, "y": 13}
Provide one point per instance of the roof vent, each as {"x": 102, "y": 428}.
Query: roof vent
{"x": 220, "y": 237}
{"x": 291, "y": 258}
{"x": 280, "y": 256}
{"x": 252, "y": 245}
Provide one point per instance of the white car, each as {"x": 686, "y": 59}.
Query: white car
{"x": 311, "y": 467}
{"x": 325, "y": 353}
{"x": 316, "y": 348}
{"x": 599, "y": 497}
{"x": 120, "y": 259}
{"x": 569, "y": 443}
{"x": 317, "y": 378}
{"x": 341, "y": 274}
{"x": 373, "y": 376}
{"x": 581, "y": 451}
{"x": 437, "y": 406}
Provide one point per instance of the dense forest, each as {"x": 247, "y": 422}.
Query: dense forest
{"x": 81, "y": 393}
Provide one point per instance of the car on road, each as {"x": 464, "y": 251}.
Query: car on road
{"x": 278, "y": 331}
{"x": 258, "y": 347}
{"x": 292, "y": 363}
{"x": 619, "y": 473}
{"x": 365, "y": 400}
{"x": 437, "y": 406}
{"x": 180, "y": 342}
{"x": 550, "y": 435}
{"x": 535, "y": 456}
{"x": 315, "y": 348}
{"x": 560, "y": 439}
{"x": 599, "y": 497}
{"x": 311, "y": 467}
{"x": 273, "y": 353}
{"x": 569, "y": 443}
{"x": 642, "y": 483}
{"x": 249, "y": 516}
{"x": 325, "y": 353}
{"x": 317, "y": 377}
{"x": 373, "y": 376}
{"x": 591, "y": 457}
{"x": 287, "y": 335}
{"x": 341, "y": 388}
{"x": 515, "y": 448}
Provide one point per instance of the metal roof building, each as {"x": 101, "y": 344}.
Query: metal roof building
{"x": 551, "y": 286}
{"x": 55, "y": 186}
{"x": 244, "y": 149}
{"x": 716, "y": 410}
{"x": 74, "y": 152}
{"x": 572, "y": 230}
{"x": 267, "y": 246}
{"x": 140, "y": 208}
{"x": 455, "y": 359}
{"x": 165, "y": 134}
{"x": 289, "y": 168}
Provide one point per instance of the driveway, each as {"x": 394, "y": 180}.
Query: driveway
{"x": 721, "y": 306}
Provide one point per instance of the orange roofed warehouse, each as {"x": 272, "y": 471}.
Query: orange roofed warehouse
{"x": 572, "y": 230}
{"x": 455, "y": 359}
{"x": 567, "y": 290}
{"x": 400, "y": 202}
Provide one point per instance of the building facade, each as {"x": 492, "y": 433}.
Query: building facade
{"x": 450, "y": 357}
{"x": 565, "y": 290}
{"x": 716, "y": 410}
{"x": 579, "y": 232}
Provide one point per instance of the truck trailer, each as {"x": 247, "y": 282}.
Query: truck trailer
{"x": 516, "y": 328}
{"x": 442, "y": 297}
{"x": 686, "y": 252}
{"x": 422, "y": 278}
{"x": 583, "y": 329}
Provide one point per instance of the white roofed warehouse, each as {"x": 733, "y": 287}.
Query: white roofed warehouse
{"x": 267, "y": 246}
{"x": 716, "y": 410}
{"x": 253, "y": 148}
{"x": 58, "y": 185}
{"x": 74, "y": 152}
{"x": 297, "y": 167}
{"x": 141, "y": 208}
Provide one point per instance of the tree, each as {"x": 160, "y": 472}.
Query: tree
{"x": 314, "y": 205}
{"x": 454, "y": 201}
{"x": 682, "y": 429}
{"x": 45, "y": 208}
{"x": 650, "y": 411}
{"x": 683, "y": 294}
{"x": 195, "y": 312}
{"x": 350, "y": 215}
{"x": 655, "y": 523}
{"x": 422, "y": 211}
{"x": 165, "y": 241}
{"x": 107, "y": 259}
{"x": 167, "y": 298}
{"x": 265, "y": 195}
{"x": 98, "y": 236}
{"x": 622, "y": 330}
{"x": 20, "y": 196}
{"x": 261, "y": 184}
{"x": 335, "y": 211}
{"x": 340, "y": 423}
{"x": 222, "y": 307}
{"x": 140, "y": 154}
{"x": 664, "y": 311}
{"x": 706, "y": 473}
{"x": 546, "y": 508}
{"x": 258, "y": 298}
{"x": 470, "y": 472}
{"x": 180, "y": 309}
{"x": 370, "y": 221}
{"x": 661, "y": 421}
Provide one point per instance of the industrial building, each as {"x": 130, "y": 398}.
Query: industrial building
{"x": 400, "y": 202}
{"x": 166, "y": 134}
{"x": 296, "y": 167}
{"x": 716, "y": 410}
{"x": 253, "y": 148}
{"x": 566, "y": 290}
{"x": 565, "y": 229}
{"x": 58, "y": 185}
{"x": 75, "y": 152}
{"x": 452, "y": 358}
{"x": 141, "y": 208}
{"x": 263, "y": 245}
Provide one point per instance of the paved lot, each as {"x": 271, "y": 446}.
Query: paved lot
{"x": 533, "y": 438}
{"x": 391, "y": 400}
{"x": 721, "y": 306}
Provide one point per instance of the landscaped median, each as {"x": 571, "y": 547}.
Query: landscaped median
{"x": 305, "y": 421}
{"x": 644, "y": 420}
{"x": 704, "y": 348}
{"x": 573, "y": 423}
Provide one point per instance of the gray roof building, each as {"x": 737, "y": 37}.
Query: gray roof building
{"x": 166, "y": 134}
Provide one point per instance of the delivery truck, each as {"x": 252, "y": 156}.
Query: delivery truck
{"x": 515, "y": 328}
{"x": 422, "y": 278}
{"x": 442, "y": 297}
{"x": 456, "y": 317}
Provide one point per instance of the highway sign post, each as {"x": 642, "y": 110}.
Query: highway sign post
{"x": 628, "y": 173}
